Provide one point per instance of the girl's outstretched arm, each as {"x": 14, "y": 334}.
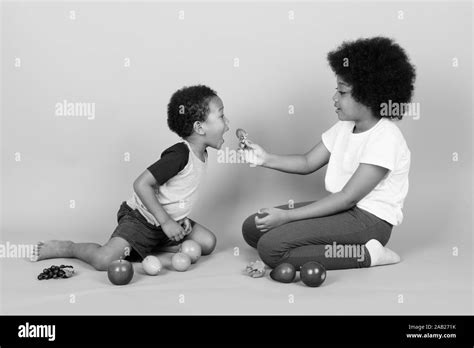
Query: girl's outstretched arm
{"x": 307, "y": 163}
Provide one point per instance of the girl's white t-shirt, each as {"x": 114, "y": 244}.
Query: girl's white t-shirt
{"x": 382, "y": 145}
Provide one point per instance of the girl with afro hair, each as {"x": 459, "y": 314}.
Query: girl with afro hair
{"x": 367, "y": 175}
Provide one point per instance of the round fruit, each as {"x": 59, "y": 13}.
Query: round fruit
{"x": 313, "y": 273}
{"x": 120, "y": 272}
{"x": 191, "y": 248}
{"x": 181, "y": 262}
{"x": 284, "y": 273}
{"x": 152, "y": 265}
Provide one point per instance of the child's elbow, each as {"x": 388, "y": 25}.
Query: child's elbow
{"x": 136, "y": 185}
{"x": 348, "y": 201}
{"x": 350, "y": 204}
{"x": 145, "y": 180}
{"x": 139, "y": 185}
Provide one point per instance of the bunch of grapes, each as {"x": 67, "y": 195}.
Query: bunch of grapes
{"x": 56, "y": 272}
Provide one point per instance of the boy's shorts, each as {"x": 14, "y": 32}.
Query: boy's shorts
{"x": 143, "y": 237}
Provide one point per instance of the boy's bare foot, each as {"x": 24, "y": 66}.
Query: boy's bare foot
{"x": 380, "y": 255}
{"x": 52, "y": 249}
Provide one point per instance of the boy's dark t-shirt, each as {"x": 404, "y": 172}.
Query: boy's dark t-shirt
{"x": 178, "y": 173}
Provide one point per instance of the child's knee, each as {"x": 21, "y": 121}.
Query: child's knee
{"x": 270, "y": 254}
{"x": 208, "y": 243}
{"x": 249, "y": 231}
{"x": 205, "y": 238}
{"x": 103, "y": 259}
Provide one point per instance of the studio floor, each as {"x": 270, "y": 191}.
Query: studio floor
{"x": 431, "y": 281}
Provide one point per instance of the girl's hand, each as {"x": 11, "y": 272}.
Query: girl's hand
{"x": 254, "y": 154}
{"x": 275, "y": 217}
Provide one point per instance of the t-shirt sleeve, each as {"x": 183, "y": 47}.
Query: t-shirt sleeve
{"x": 172, "y": 161}
{"x": 381, "y": 150}
{"x": 329, "y": 136}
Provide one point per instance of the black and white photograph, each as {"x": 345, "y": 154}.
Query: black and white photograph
{"x": 308, "y": 160}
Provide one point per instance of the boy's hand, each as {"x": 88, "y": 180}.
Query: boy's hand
{"x": 173, "y": 230}
{"x": 186, "y": 225}
{"x": 254, "y": 154}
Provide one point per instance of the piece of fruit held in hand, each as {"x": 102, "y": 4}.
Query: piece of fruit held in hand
{"x": 242, "y": 136}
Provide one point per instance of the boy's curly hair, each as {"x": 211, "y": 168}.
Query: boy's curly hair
{"x": 188, "y": 105}
{"x": 378, "y": 70}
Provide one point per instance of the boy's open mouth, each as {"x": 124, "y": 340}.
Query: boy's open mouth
{"x": 225, "y": 131}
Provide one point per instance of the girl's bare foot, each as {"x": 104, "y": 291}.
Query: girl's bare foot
{"x": 52, "y": 249}
{"x": 380, "y": 255}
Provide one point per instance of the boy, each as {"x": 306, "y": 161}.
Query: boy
{"x": 156, "y": 216}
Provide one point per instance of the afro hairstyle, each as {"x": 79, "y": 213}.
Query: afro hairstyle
{"x": 377, "y": 69}
{"x": 188, "y": 105}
